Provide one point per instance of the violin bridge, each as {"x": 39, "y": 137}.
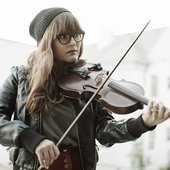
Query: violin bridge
{"x": 99, "y": 78}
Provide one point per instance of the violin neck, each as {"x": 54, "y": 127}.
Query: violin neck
{"x": 130, "y": 93}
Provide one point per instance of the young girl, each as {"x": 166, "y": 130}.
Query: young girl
{"x": 34, "y": 113}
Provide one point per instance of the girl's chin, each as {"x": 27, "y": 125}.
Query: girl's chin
{"x": 72, "y": 59}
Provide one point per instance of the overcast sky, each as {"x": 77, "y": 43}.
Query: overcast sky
{"x": 119, "y": 16}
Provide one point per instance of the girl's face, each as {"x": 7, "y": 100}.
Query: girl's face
{"x": 66, "y": 47}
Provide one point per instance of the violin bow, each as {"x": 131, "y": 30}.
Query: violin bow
{"x": 99, "y": 88}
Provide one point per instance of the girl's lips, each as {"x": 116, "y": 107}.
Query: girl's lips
{"x": 72, "y": 51}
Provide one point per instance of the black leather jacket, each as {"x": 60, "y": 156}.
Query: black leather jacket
{"x": 95, "y": 123}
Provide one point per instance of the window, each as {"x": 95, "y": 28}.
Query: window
{"x": 168, "y": 134}
{"x": 151, "y": 140}
{"x": 154, "y": 85}
{"x": 168, "y": 83}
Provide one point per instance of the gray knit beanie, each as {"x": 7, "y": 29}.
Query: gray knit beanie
{"x": 41, "y": 21}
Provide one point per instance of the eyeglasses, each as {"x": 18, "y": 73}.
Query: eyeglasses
{"x": 65, "y": 38}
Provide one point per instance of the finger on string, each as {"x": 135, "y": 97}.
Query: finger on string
{"x": 162, "y": 108}
{"x": 150, "y": 106}
{"x": 155, "y": 107}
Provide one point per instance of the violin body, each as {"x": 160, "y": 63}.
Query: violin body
{"x": 74, "y": 85}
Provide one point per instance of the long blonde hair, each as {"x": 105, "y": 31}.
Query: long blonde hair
{"x": 42, "y": 87}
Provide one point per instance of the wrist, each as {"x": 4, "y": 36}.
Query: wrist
{"x": 146, "y": 122}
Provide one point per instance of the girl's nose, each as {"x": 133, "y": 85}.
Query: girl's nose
{"x": 72, "y": 41}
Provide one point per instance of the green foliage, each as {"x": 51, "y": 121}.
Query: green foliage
{"x": 168, "y": 168}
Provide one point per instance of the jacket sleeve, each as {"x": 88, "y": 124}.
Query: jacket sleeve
{"x": 9, "y": 129}
{"x": 109, "y": 131}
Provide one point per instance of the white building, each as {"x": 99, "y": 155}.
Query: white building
{"x": 147, "y": 64}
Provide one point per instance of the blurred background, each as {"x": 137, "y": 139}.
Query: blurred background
{"x": 111, "y": 26}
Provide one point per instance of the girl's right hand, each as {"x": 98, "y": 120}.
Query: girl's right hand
{"x": 46, "y": 152}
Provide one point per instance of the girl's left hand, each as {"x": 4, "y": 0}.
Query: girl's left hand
{"x": 155, "y": 114}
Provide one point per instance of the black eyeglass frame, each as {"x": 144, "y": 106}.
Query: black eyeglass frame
{"x": 64, "y": 42}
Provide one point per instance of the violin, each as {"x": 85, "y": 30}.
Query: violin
{"x": 83, "y": 79}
